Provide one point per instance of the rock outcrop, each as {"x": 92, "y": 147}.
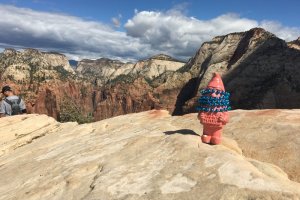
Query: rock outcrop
{"x": 105, "y": 71}
{"x": 295, "y": 44}
{"x": 102, "y": 70}
{"x": 45, "y": 81}
{"x": 150, "y": 155}
{"x": 123, "y": 98}
{"x": 156, "y": 66}
{"x": 14, "y": 64}
{"x": 258, "y": 69}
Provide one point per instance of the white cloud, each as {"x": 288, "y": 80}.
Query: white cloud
{"x": 286, "y": 33}
{"x": 182, "y": 36}
{"x": 147, "y": 33}
{"x": 67, "y": 34}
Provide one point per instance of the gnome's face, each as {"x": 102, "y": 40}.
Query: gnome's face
{"x": 214, "y": 94}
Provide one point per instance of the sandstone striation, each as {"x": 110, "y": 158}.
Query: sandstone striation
{"x": 150, "y": 155}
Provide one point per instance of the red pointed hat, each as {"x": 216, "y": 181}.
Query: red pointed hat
{"x": 216, "y": 82}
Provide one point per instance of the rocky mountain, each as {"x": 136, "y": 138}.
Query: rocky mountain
{"x": 258, "y": 69}
{"x": 137, "y": 89}
{"x": 156, "y": 66}
{"x": 32, "y": 64}
{"x": 105, "y": 71}
{"x": 151, "y": 155}
{"x": 46, "y": 82}
{"x": 102, "y": 70}
{"x": 50, "y": 86}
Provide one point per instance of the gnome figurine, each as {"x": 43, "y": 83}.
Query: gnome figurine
{"x": 214, "y": 104}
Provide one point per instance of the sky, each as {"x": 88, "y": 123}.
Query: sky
{"x": 137, "y": 29}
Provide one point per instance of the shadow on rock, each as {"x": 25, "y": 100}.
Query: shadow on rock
{"x": 182, "y": 131}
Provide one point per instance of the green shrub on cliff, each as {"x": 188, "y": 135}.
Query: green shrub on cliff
{"x": 63, "y": 73}
{"x": 123, "y": 78}
{"x": 70, "y": 112}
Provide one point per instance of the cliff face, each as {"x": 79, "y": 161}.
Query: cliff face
{"x": 156, "y": 66}
{"x": 151, "y": 155}
{"x": 124, "y": 98}
{"x": 122, "y": 88}
{"x": 104, "y": 71}
{"x": 258, "y": 69}
{"x": 19, "y": 65}
{"x": 45, "y": 81}
{"x": 99, "y": 89}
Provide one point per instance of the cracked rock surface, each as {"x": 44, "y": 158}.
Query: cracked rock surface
{"x": 150, "y": 155}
